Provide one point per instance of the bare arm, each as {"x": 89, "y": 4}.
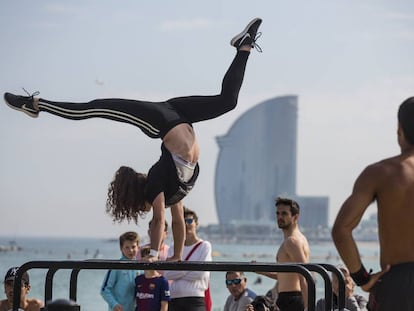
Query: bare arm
{"x": 157, "y": 224}
{"x": 349, "y": 217}
{"x": 164, "y": 305}
{"x": 178, "y": 229}
{"x": 272, "y": 275}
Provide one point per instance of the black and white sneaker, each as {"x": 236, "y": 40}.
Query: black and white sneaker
{"x": 22, "y": 103}
{"x": 248, "y": 36}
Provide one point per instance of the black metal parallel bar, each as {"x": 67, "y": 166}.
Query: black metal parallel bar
{"x": 341, "y": 283}
{"x": 49, "y": 284}
{"x": 327, "y": 280}
{"x": 164, "y": 265}
{"x": 73, "y": 284}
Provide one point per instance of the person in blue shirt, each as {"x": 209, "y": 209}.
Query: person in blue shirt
{"x": 118, "y": 288}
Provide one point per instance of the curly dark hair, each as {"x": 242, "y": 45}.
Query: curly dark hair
{"x": 126, "y": 199}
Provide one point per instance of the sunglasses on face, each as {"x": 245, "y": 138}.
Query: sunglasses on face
{"x": 189, "y": 221}
{"x": 234, "y": 281}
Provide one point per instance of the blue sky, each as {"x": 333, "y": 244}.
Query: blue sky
{"x": 350, "y": 63}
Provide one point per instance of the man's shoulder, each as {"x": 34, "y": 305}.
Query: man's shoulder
{"x": 383, "y": 171}
{"x": 295, "y": 240}
{"x": 384, "y": 165}
{"x": 250, "y": 293}
{"x": 245, "y": 299}
{"x": 205, "y": 244}
{"x": 34, "y": 304}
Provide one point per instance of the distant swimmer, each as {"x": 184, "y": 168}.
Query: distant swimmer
{"x": 171, "y": 178}
{"x": 390, "y": 183}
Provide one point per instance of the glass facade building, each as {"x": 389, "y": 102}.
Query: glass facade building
{"x": 257, "y": 163}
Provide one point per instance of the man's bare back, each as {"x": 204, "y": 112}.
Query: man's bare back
{"x": 391, "y": 183}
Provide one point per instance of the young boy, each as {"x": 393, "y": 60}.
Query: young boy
{"x": 118, "y": 287}
{"x": 152, "y": 290}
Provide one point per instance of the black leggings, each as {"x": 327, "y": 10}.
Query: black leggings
{"x": 155, "y": 119}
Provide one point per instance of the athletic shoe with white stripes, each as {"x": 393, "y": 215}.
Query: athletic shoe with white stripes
{"x": 248, "y": 36}
{"x": 22, "y": 103}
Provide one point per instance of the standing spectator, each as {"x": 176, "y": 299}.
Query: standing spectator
{"x": 240, "y": 296}
{"x": 389, "y": 183}
{"x": 292, "y": 287}
{"x": 27, "y": 304}
{"x": 353, "y": 302}
{"x": 151, "y": 289}
{"x": 118, "y": 287}
{"x": 188, "y": 287}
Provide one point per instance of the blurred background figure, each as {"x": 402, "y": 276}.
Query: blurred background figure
{"x": 26, "y": 304}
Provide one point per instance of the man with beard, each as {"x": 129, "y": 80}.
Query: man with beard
{"x": 292, "y": 287}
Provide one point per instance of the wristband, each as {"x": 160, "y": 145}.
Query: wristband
{"x": 361, "y": 277}
{"x": 153, "y": 253}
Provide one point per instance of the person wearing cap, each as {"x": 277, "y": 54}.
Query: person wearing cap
{"x": 26, "y": 304}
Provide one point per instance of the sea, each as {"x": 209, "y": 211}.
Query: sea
{"x": 14, "y": 251}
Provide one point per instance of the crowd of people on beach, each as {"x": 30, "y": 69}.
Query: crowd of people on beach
{"x": 131, "y": 195}
{"x": 151, "y": 290}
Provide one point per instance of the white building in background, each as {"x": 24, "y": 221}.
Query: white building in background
{"x": 257, "y": 163}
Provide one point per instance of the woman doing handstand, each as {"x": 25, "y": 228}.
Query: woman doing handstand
{"x": 170, "y": 179}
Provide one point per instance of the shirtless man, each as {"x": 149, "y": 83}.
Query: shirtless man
{"x": 27, "y": 304}
{"x": 390, "y": 183}
{"x": 292, "y": 287}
